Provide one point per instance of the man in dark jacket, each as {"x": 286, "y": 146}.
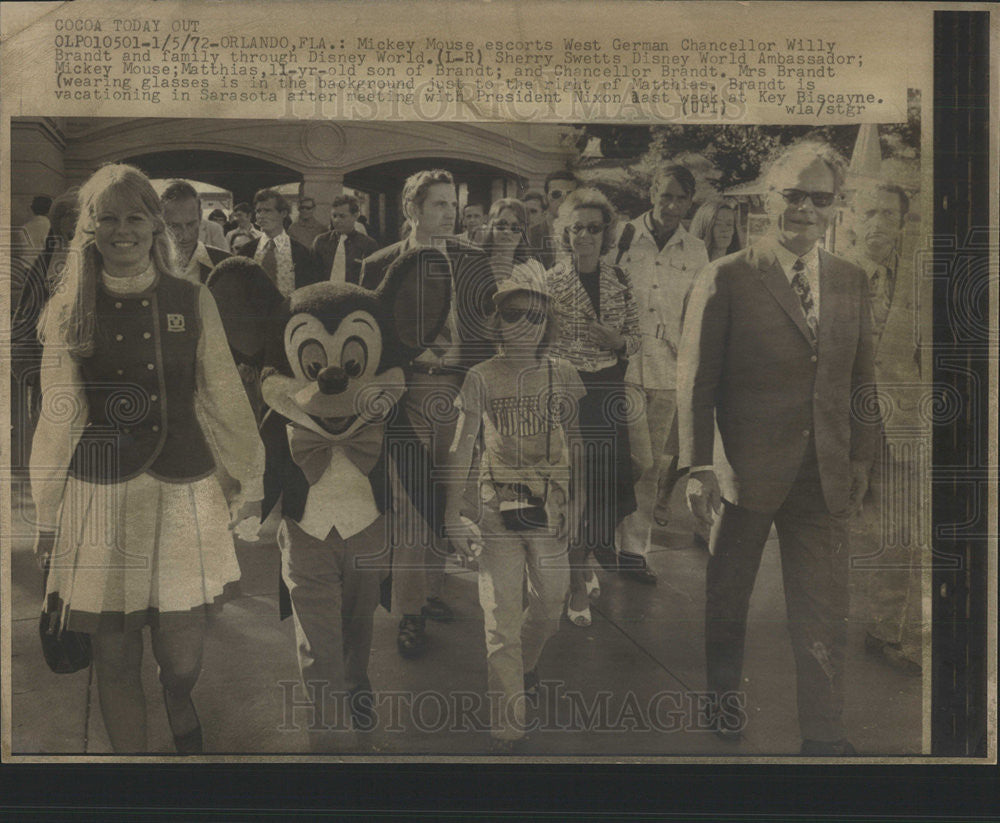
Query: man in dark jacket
{"x": 340, "y": 252}
{"x": 288, "y": 263}
{"x": 433, "y": 379}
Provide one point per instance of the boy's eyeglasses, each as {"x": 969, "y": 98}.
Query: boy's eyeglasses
{"x": 820, "y": 199}
{"x": 590, "y": 228}
{"x": 533, "y": 316}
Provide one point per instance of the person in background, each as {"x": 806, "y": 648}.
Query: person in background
{"x": 535, "y": 206}
{"x": 340, "y": 252}
{"x": 35, "y": 230}
{"x": 26, "y": 350}
{"x": 288, "y": 263}
{"x": 182, "y": 215}
{"x": 504, "y": 239}
{"x": 430, "y": 203}
{"x": 598, "y": 329}
{"x": 209, "y": 231}
{"x": 244, "y": 232}
{"x": 361, "y": 227}
{"x": 776, "y": 355}
{"x": 543, "y": 239}
{"x": 307, "y": 227}
{"x": 144, "y": 538}
{"x": 473, "y": 218}
{"x": 716, "y": 224}
{"x": 662, "y": 260}
{"x": 218, "y": 216}
{"x": 518, "y": 405}
{"x": 891, "y": 544}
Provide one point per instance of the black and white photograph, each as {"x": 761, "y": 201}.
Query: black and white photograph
{"x": 500, "y": 418}
{"x": 403, "y": 387}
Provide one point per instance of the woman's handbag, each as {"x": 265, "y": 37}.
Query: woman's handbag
{"x": 65, "y": 652}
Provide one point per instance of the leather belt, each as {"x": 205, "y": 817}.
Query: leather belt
{"x": 429, "y": 368}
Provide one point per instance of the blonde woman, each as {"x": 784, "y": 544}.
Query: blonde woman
{"x": 140, "y": 398}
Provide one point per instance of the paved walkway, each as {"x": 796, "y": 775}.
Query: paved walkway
{"x": 626, "y": 686}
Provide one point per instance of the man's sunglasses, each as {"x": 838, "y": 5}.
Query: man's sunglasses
{"x": 590, "y": 228}
{"x": 820, "y": 199}
{"x": 533, "y": 316}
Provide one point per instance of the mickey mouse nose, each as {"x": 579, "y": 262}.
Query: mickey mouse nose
{"x": 332, "y": 380}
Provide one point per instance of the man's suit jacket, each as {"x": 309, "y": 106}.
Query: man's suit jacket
{"x": 746, "y": 363}
{"x": 303, "y": 262}
{"x": 357, "y": 245}
{"x": 216, "y": 256}
{"x": 475, "y": 286}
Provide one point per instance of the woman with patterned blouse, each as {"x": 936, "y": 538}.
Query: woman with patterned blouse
{"x": 598, "y": 324}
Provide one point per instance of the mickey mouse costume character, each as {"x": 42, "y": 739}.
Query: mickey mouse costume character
{"x": 342, "y": 457}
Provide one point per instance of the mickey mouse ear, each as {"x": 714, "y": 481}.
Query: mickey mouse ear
{"x": 247, "y": 299}
{"x": 416, "y": 292}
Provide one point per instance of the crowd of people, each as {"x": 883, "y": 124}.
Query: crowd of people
{"x": 572, "y": 369}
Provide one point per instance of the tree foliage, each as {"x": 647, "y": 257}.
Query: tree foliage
{"x": 736, "y": 154}
{"x": 740, "y": 152}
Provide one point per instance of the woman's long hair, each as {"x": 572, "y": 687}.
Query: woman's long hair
{"x": 70, "y": 316}
{"x": 703, "y": 226}
{"x": 522, "y": 252}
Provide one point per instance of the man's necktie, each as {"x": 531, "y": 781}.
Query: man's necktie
{"x": 270, "y": 261}
{"x": 801, "y": 287}
{"x": 338, "y": 274}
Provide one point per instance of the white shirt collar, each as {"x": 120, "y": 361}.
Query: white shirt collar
{"x": 786, "y": 259}
{"x": 646, "y": 225}
{"x": 134, "y": 284}
{"x": 200, "y": 256}
{"x": 281, "y": 240}
{"x": 198, "y": 259}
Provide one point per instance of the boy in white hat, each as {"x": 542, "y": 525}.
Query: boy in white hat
{"x": 522, "y": 403}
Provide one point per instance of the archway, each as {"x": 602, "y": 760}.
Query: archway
{"x": 241, "y": 174}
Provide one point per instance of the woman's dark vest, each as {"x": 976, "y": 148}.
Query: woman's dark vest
{"x": 140, "y": 387}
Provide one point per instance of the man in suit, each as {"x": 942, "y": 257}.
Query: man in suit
{"x": 340, "y": 252}
{"x": 433, "y": 379}
{"x": 182, "y": 214}
{"x": 776, "y": 350}
{"x": 288, "y": 263}
{"x": 891, "y": 543}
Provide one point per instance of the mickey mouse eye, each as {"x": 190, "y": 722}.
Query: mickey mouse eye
{"x": 312, "y": 358}
{"x": 354, "y": 356}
